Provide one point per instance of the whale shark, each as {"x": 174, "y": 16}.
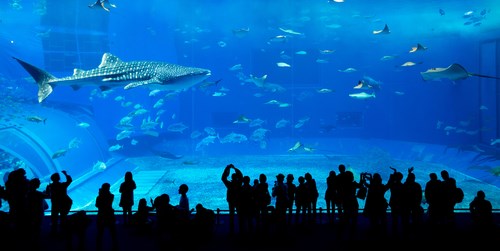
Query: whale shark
{"x": 113, "y": 72}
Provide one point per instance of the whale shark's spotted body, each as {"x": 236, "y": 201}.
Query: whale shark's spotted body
{"x": 113, "y": 72}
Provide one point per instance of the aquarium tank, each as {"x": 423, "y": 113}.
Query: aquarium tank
{"x": 173, "y": 91}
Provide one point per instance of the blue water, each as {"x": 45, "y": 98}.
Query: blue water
{"x": 321, "y": 40}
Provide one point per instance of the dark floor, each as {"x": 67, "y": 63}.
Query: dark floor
{"x": 321, "y": 235}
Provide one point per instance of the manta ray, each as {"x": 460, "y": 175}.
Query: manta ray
{"x": 452, "y": 72}
{"x": 383, "y": 31}
{"x": 113, "y": 72}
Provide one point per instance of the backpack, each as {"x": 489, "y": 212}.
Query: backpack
{"x": 459, "y": 195}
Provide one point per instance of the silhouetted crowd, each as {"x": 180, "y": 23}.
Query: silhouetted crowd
{"x": 251, "y": 211}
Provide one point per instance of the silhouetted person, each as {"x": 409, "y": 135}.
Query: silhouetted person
{"x": 331, "y": 195}
{"x": 412, "y": 205}
{"x": 350, "y": 202}
{"x": 60, "y": 201}
{"x": 142, "y": 218}
{"x": 312, "y": 197}
{"x": 481, "y": 212}
{"x": 165, "y": 214}
{"x": 78, "y": 224}
{"x": 246, "y": 215}
{"x": 16, "y": 189}
{"x": 341, "y": 181}
{"x": 396, "y": 200}
{"x": 127, "y": 188}
{"x": 448, "y": 188}
{"x": 280, "y": 193}
{"x": 262, "y": 201}
{"x": 203, "y": 224}
{"x": 291, "y": 189}
{"x": 36, "y": 206}
{"x": 105, "y": 216}
{"x": 183, "y": 206}
{"x": 434, "y": 198}
{"x": 233, "y": 187}
{"x": 300, "y": 200}
{"x": 376, "y": 204}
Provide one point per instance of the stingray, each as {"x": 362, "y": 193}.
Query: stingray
{"x": 452, "y": 72}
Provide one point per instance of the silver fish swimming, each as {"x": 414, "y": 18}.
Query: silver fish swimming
{"x": 113, "y": 72}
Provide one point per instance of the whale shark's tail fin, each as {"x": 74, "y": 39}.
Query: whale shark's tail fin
{"x": 41, "y": 77}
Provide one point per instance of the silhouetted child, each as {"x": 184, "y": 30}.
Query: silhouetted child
{"x": 203, "y": 223}
{"x": 142, "y": 218}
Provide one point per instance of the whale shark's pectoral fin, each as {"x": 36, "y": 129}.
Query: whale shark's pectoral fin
{"x": 141, "y": 83}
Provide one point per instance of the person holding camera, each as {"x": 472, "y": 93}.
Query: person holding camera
{"x": 233, "y": 191}
{"x": 376, "y": 204}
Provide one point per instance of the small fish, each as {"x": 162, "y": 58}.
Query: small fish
{"x": 301, "y": 52}
{"x": 241, "y": 32}
{"x": 483, "y": 107}
{"x": 362, "y": 95}
{"x": 326, "y": 52}
{"x": 279, "y": 38}
{"x": 387, "y": 58}
{"x": 282, "y": 64}
{"x": 383, "y": 31}
{"x": 282, "y": 123}
{"x": 236, "y": 67}
{"x": 83, "y": 125}
{"x": 119, "y": 98}
{"x": 321, "y": 61}
{"x": 115, "y": 147}
{"x": 441, "y": 12}
{"x": 36, "y": 119}
{"x": 409, "y": 63}
{"x": 158, "y": 103}
{"x": 134, "y": 142}
{"x": 219, "y": 94}
{"x": 348, "y": 70}
{"x": 154, "y": 92}
{"x": 59, "y": 153}
{"x": 308, "y": 149}
{"x": 291, "y": 31}
{"x": 468, "y": 14}
{"x": 99, "y": 166}
{"x": 177, "y": 127}
{"x": 325, "y": 90}
{"x": 495, "y": 141}
{"x": 272, "y": 102}
{"x": 206, "y": 84}
{"x": 222, "y": 44}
